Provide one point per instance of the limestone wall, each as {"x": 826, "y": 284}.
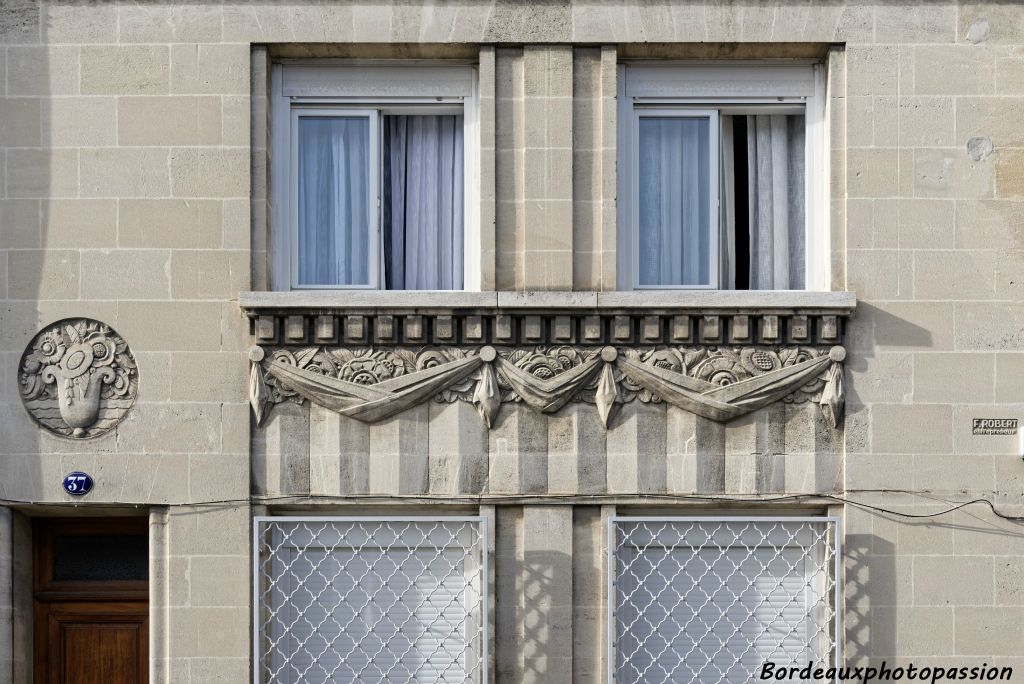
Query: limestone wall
{"x": 133, "y": 191}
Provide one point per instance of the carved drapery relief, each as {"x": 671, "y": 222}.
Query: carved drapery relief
{"x": 78, "y": 378}
{"x": 716, "y": 382}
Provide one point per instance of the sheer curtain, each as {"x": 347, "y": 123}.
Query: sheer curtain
{"x": 423, "y": 202}
{"x": 333, "y": 201}
{"x": 775, "y": 163}
{"x": 674, "y": 201}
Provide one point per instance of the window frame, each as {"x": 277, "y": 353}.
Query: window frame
{"x": 611, "y": 577}
{"x": 387, "y": 87}
{"x": 729, "y": 87}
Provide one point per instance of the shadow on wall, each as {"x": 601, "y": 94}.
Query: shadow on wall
{"x": 870, "y": 589}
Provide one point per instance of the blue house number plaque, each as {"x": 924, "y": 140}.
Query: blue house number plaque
{"x": 77, "y": 483}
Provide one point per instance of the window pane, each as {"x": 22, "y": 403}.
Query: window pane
{"x": 674, "y": 201}
{"x": 100, "y": 557}
{"x": 423, "y": 202}
{"x": 333, "y": 201}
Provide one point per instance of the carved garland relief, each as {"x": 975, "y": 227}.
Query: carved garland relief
{"x": 78, "y": 378}
{"x": 717, "y": 382}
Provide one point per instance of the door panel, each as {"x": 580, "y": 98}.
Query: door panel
{"x": 92, "y": 625}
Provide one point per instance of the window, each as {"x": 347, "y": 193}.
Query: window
{"x": 371, "y": 175}
{"x": 345, "y": 600}
{"x": 721, "y": 176}
{"x": 712, "y": 599}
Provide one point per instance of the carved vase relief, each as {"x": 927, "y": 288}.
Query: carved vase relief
{"x": 78, "y": 378}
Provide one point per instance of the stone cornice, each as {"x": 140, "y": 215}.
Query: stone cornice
{"x": 582, "y": 318}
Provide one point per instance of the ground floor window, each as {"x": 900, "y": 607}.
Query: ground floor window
{"x": 367, "y": 600}
{"x": 699, "y": 599}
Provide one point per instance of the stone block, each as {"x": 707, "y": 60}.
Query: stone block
{"x": 995, "y": 118}
{"x": 1010, "y": 71}
{"x": 71, "y": 23}
{"x": 125, "y": 70}
{"x": 80, "y": 121}
{"x": 157, "y": 24}
{"x": 170, "y": 428}
{"x": 208, "y": 376}
{"x": 989, "y": 631}
{"x": 207, "y": 173}
{"x": 124, "y": 172}
{"x": 125, "y": 274}
{"x": 178, "y": 223}
{"x": 955, "y": 274}
{"x": 170, "y": 326}
{"x": 987, "y": 22}
{"x": 949, "y": 378}
{"x": 21, "y": 122}
{"x": 457, "y": 449}
{"x": 183, "y": 120}
{"x": 883, "y": 377}
{"x": 915, "y": 23}
{"x": 399, "y": 457}
{"x": 214, "y": 582}
{"x": 42, "y": 70}
{"x": 209, "y": 274}
{"x": 876, "y": 274}
{"x": 906, "y": 630}
{"x": 952, "y": 173}
{"x": 930, "y": 428}
{"x": 1009, "y": 377}
{"x": 872, "y": 172}
{"x": 44, "y": 274}
{"x": 210, "y": 69}
{"x": 236, "y": 119}
{"x": 42, "y": 173}
{"x": 995, "y": 326}
{"x": 19, "y": 224}
{"x": 19, "y": 22}
{"x": 948, "y": 70}
{"x": 1010, "y": 174}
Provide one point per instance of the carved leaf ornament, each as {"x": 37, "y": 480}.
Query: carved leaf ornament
{"x": 718, "y": 383}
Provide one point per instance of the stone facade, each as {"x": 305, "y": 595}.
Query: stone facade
{"x": 134, "y": 191}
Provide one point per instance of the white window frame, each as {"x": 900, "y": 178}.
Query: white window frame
{"x": 611, "y": 656}
{"x": 483, "y": 600}
{"x": 364, "y": 86}
{"x": 780, "y": 86}
{"x": 714, "y": 232}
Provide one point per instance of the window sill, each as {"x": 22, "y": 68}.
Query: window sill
{"x": 752, "y": 301}
{"x": 648, "y": 317}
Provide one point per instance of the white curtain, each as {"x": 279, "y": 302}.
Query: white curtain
{"x": 423, "y": 202}
{"x": 674, "y": 201}
{"x": 775, "y": 163}
{"x": 727, "y": 203}
{"x": 333, "y": 239}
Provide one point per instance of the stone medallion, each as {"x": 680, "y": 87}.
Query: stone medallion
{"x": 78, "y": 378}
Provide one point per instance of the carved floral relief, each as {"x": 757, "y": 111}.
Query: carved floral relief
{"x": 717, "y": 382}
{"x": 78, "y": 378}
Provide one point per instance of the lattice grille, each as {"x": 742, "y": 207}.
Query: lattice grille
{"x": 341, "y": 600}
{"x": 710, "y": 599}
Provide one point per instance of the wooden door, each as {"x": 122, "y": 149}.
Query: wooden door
{"x": 91, "y": 602}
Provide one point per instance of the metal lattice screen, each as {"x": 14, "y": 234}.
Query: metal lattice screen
{"x": 370, "y": 600}
{"x": 710, "y": 600}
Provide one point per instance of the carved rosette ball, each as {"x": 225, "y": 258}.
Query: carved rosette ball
{"x": 78, "y": 378}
